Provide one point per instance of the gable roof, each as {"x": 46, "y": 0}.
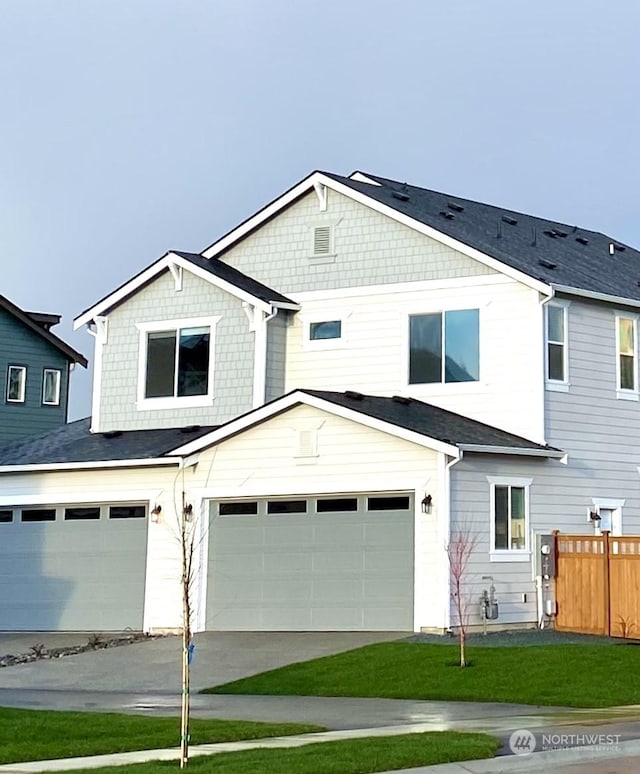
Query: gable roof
{"x": 413, "y": 420}
{"x": 544, "y": 254}
{"x": 217, "y": 273}
{"x": 38, "y": 322}
{"x": 74, "y": 446}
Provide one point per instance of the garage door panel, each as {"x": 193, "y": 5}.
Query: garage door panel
{"x": 313, "y": 571}
{"x": 73, "y": 575}
{"x": 283, "y": 562}
{"x": 281, "y": 590}
{"x": 331, "y": 562}
{"x": 289, "y": 534}
{"x": 337, "y": 532}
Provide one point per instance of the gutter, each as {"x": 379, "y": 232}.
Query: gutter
{"x": 555, "y": 454}
{"x": 595, "y": 296}
{"x": 147, "y": 462}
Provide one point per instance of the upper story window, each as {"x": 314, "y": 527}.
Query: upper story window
{"x": 16, "y": 383}
{"x": 509, "y": 518}
{"x": 176, "y": 363}
{"x": 326, "y": 329}
{"x": 627, "y": 357}
{"x": 556, "y": 335}
{"x": 444, "y": 347}
{"x": 51, "y": 387}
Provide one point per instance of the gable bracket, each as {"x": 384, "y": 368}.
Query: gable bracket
{"x": 321, "y": 193}
{"x": 252, "y": 314}
{"x": 176, "y": 273}
{"x": 101, "y": 328}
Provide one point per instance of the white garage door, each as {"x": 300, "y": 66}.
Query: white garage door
{"x": 311, "y": 564}
{"x": 72, "y": 567}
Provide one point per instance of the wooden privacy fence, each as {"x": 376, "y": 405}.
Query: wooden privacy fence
{"x": 598, "y": 584}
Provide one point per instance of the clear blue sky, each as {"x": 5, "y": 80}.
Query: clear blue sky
{"x": 130, "y": 127}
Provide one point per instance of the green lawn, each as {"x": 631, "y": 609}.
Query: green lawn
{"x": 356, "y": 756}
{"x": 29, "y": 735}
{"x": 562, "y": 675}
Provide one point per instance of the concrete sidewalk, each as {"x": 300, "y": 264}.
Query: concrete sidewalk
{"x": 624, "y": 757}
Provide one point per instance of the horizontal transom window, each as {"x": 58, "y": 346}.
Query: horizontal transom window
{"x": 239, "y": 508}
{"x": 127, "y": 512}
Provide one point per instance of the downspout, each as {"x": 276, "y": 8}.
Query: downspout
{"x": 445, "y": 525}
{"x": 260, "y": 355}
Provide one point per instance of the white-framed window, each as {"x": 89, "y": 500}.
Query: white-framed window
{"x": 326, "y": 329}
{"x": 51, "y": 387}
{"x": 444, "y": 347}
{"x": 509, "y": 528}
{"x": 175, "y": 367}
{"x": 627, "y": 356}
{"x": 556, "y": 334}
{"x": 16, "y": 383}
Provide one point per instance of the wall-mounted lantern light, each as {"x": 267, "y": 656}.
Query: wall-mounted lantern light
{"x": 426, "y": 503}
{"x": 188, "y": 512}
{"x": 155, "y": 513}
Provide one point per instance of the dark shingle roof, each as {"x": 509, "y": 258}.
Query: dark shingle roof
{"x": 75, "y": 443}
{"x": 430, "y": 421}
{"x": 36, "y": 321}
{"x": 236, "y": 278}
{"x": 573, "y": 257}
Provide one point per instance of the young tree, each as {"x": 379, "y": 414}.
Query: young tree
{"x": 459, "y": 549}
{"x": 187, "y": 550}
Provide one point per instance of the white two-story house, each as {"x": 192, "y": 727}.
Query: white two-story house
{"x": 331, "y": 392}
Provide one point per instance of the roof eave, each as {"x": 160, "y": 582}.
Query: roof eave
{"x": 595, "y": 296}
{"x": 98, "y": 464}
{"x": 555, "y": 454}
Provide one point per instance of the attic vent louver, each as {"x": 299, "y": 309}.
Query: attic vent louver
{"x": 618, "y": 248}
{"x": 455, "y": 207}
{"x": 550, "y": 233}
{"x": 582, "y": 240}
{"x": 447, "y": 215}
{"x": 547, "y": 264}
{"x": 322, "y": 240}
{"x": 559, "y": 232}
{"x": 404, "y": 197}
{"x": 509, "y": 220}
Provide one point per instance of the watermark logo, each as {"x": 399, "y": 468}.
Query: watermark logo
{"x": 522, "y": 742}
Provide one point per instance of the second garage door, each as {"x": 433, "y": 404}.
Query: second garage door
{"x": 342, "y": 562}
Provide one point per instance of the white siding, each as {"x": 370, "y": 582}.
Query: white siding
{"x": 351, "y": 458}
{"x": 372, "y": 356}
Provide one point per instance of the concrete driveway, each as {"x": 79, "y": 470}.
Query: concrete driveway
{"x": 154, "y": 665}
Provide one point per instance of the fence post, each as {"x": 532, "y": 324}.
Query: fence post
{"x": 607, "y": 594}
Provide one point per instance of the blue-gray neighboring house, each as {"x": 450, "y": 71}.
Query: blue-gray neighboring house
{"x": 34, "y": 366}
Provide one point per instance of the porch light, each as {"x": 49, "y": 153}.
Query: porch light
{"x": 155, "y": 514}
{"x": 426, "y": 503}
{"x": 188, "y": 512}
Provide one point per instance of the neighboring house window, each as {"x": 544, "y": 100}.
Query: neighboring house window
{"x": 176, "y": 363}
{"x": 51, "y": 387}
{"x": 556, "y": 328}
{"x": 627, "y": 359}
{"x": 444, "y": 347}
{"x": 329, "y": 329}
{"x": 509, "y": 518}
{"x": 16, "y": 381}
